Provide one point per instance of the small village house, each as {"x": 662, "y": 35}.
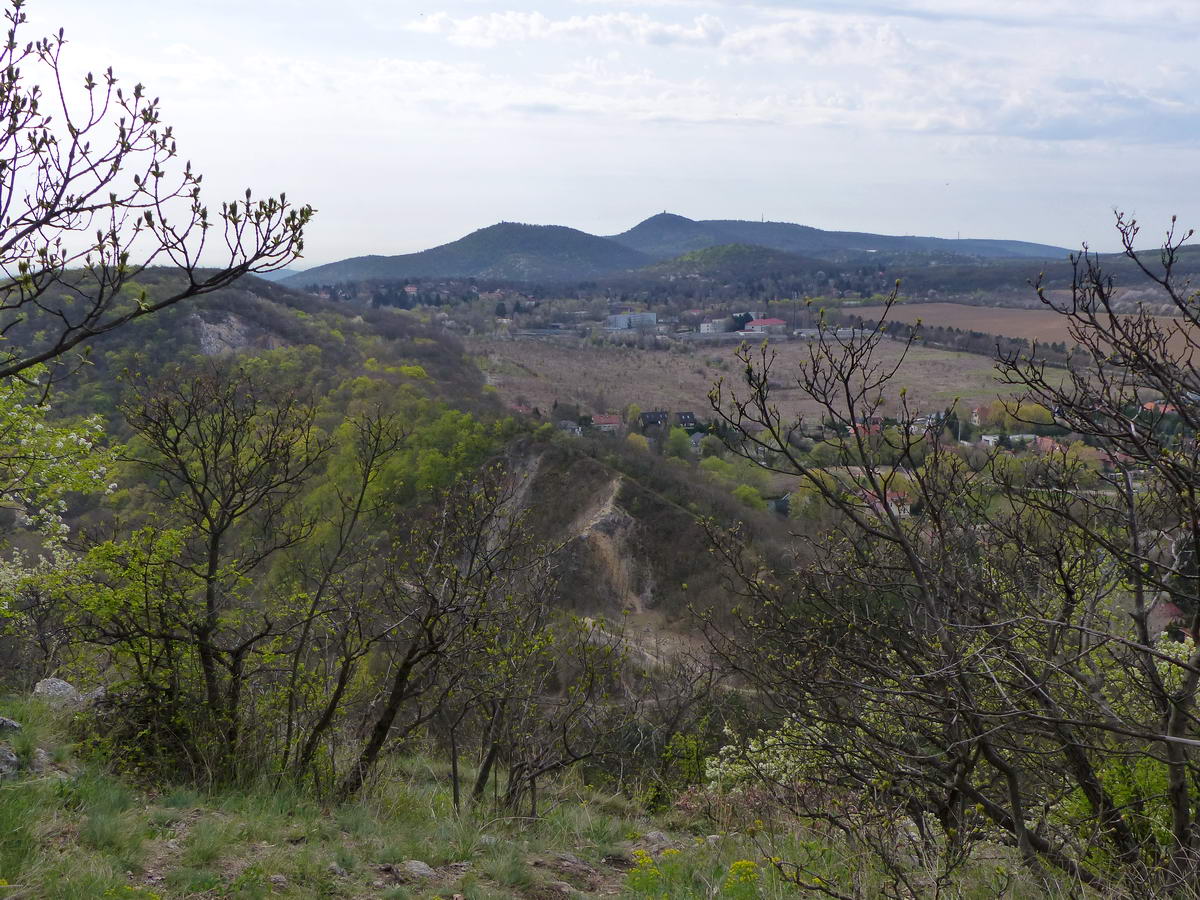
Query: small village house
{"x": 606, "y": 422}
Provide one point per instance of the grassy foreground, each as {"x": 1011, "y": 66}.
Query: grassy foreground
{"x": 70, "y": 830}
{"x": 73, "y": 830}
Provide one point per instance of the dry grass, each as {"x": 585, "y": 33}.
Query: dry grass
{"x": 606, "y": 378}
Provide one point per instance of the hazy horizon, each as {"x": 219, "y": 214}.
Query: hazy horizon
{"x": 409, "y": 127}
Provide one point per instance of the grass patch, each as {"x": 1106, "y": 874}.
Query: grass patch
{"x": 20, "y": 808}
{"x": 508, "y": 868}
{"x": 209, "y": 840}
{"x": 190, "y": 881}
{"x": 181, "y": 798}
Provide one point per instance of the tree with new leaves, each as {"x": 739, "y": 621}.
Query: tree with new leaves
{"x": 92, "y": 191}
{"x": 445, "y": 584}
{"x": 1000, "y": 667}
{"x": 678, "y": 444}
{"x": 227, "y": 459}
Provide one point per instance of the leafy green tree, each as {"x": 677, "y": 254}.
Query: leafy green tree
{"x": 750, "y": 496}
{"x": 227, "y": 458}
{"x": 711, "y": 445}
{"x": 719, "y": 468}
{"x": 678, "y": 443}
{"x": 44, "y": 460}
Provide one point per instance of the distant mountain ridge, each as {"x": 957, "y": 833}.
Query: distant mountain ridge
{"x": 667, "y": 235}
{"x": 513, "y": 251}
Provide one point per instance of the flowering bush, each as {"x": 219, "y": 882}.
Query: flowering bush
{"x": 742, "y": 880}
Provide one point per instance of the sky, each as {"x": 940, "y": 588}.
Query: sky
{"x": 408, "y": 125}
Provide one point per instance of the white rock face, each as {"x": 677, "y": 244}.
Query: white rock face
{"x": 57, "y": 692}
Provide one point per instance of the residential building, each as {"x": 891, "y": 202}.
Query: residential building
{"x": 766, "y": 326}
{"x": 609, "y": 424}
{"x": 626, "y": 321}
{"x": 1048, "y": 445}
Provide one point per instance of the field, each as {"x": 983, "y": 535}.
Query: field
{"x": 1032, "y": 324}
{"x": 606, "y": 378}
{"x": 1040, "y": 325}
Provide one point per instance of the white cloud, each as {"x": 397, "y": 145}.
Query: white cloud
{"x": 502, "y": 27}
{"x": 548, "y": 109}
{"x": 817, "y": 38}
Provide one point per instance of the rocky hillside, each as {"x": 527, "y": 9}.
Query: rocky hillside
{"x": 628, "y": 531}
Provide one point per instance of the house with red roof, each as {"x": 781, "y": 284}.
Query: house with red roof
{"x": 1154, "y": 406}
{"x": 893, "y": 501}
{"x": 1048, "y": 445}
{"x": 610, "y": 424}
{"x": 766, "y": 326}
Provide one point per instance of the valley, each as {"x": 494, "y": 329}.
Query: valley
{"x": 600, "y": 379}
{"x": 738, "y": 555}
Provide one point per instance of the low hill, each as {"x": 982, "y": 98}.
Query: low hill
{"x": 335, "y": 341}
{"x": 666, "y": 235}
{"x": 279, "y": 274}
{"x": 507, "y": 251}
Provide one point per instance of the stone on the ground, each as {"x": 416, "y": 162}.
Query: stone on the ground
{"x": 414, "y": 868}
{"x": 569, "y": 862}
{"x": 618, "y": 860}
{"x": 40, "y": 762}
{"x": 9, "y": 763}
{"x": 655, "y": 840}
{"x": 7, "y": 724}
{"x": 57, "y": 691}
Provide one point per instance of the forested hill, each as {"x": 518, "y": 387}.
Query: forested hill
{"x": 666, "y": 235}
{"x": 508, "y": 250}
{"x": 731, "y": 262}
